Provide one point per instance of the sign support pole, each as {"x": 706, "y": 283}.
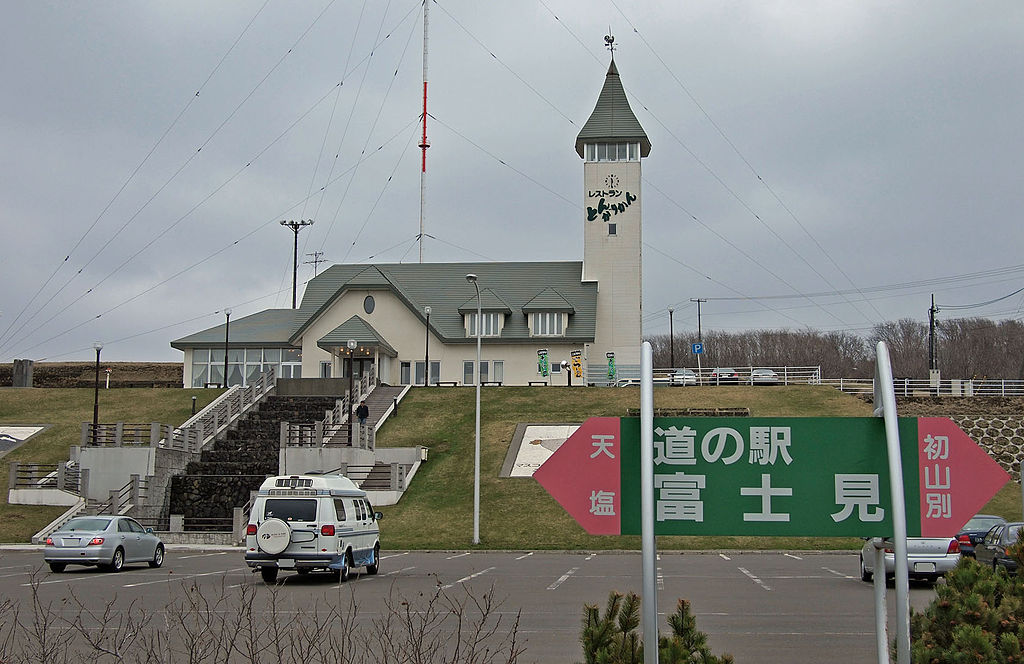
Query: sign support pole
{"x": 649, "y": 548}
{"x": 885, "y": 406}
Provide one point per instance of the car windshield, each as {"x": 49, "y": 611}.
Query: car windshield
{"x": 982, "y": 523}
{"x": 86, "y": 524}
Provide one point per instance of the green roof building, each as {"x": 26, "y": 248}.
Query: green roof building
{"x": 403, "y": 316}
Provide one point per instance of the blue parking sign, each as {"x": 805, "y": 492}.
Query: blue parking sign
{"x": 698, "y": 349}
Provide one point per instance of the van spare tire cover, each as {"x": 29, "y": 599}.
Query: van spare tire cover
{"x": 273, "y": 536}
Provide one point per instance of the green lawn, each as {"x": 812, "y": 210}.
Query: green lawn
{"x": 65, "y": 410}
{"x": 437, "y": 511}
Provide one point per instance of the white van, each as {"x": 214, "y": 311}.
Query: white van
{"x": 312, "y": 522}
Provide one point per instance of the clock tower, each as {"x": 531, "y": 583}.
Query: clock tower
{"x": 611, "y": 144}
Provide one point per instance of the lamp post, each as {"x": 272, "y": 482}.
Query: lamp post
{"x": 426, "y": 351}
{"x": 671, "y": 340}
{"x": 96, "y": 391}
{"x": 351, "y": 406}
{"x": 471, "y": 278}
{"x": 227, "y": 326}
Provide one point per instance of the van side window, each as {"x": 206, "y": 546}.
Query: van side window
{"x": 359, "y": 509}
{"x": 339, "y": 509}
{"x": 369, "y": 509}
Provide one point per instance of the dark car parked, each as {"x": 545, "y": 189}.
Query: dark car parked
{"x": 974, "y": 530}
{"x": 991, "y": 550}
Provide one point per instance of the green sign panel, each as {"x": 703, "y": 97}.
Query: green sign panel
{"x": 771, "y": 476}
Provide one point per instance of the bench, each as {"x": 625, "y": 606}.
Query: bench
{"x": 447, "y": 383}
{"x": 491, "y": 382}
{"x": 538, "y": 382}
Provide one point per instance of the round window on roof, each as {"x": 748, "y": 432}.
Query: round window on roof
{"x": 368, "y": 304}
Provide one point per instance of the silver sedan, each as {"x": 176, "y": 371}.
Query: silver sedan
{"x": 104, "y": 541}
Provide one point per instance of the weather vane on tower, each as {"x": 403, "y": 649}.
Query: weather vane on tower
{"x": 609, "y": 42}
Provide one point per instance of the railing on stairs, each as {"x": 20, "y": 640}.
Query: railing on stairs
{"x": 122, "y": 500}
{"x": 332, "y": 431}
{"x": 64, "y": 476}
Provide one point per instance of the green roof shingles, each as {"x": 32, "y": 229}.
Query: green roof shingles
{"x": 612, "y": 120}
{"x": 271, "y": 327}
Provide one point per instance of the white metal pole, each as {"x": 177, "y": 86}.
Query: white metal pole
{"x": 885, "y": 405}
{"x": 650, "y": 552}
{"x": 881, "y": 640}
{"x": 476, "y": 458}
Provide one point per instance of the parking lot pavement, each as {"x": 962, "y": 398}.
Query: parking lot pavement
{"x": 760, "y": 607}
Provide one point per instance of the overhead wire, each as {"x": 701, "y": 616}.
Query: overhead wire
{"x": 739, "y": 154}
{"x": 131, "y": 176}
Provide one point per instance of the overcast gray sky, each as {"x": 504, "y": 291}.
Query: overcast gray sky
{"x": 826, "y": 164}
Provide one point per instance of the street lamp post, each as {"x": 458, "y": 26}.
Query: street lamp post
{"x": 227, "y": 326}
{"x": 426, "y": 351}
{"x": 96, "y": 391}
{"x": 671, "y": 340}
{"x": 351, "y": 406}
{"x": 471, "y": 278}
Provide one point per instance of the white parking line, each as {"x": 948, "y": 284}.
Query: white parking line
{"x": 202, "y": 555}
{"x": 458, "y": 555}
{"x": 839, "y": 574}
{"x": 394, "y": 555}
{"x": 753, "y": 578}
{"x": 467, "y": 578}
{"x": 185, "y": 577}
{"x": 397, "y": 571}
{"x": 525, "y": 556}
{"x": 724, "y": 557}
{"x": 661, "y": 580}
{"x": 590, "y": 557}
{"x": 790, "y": 555}
{"x": 563, "y": 578}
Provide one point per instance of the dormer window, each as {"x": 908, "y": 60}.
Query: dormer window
{"x": 612, "y": 152}
{"x": 490, "y": 325}
{"x": 547, "y": 324}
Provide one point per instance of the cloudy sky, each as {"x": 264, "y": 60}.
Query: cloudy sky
{"x": 814, "y": 164}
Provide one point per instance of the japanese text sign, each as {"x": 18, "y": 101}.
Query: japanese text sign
{"x": 771, "y": 476}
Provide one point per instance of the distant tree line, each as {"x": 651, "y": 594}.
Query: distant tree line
{"x": 964, "y": 348}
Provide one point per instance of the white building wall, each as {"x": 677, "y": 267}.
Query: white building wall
{"x": 614, "y": 261}
{"x": 406, "y": 334}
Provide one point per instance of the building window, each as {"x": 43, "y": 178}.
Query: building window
{"x": 612, "y": 152}
{"x": 325, "y": 369}
{"x": 499, "y": 371}
{"x": 611, "y": 229}
{"x": 368, "y": 304}
{"x": 491, "y": 324}
{"x": 485, "y": 373}
{"x": 546, "y": 324}
{"x": 435, "y": 372}
{"x": 467, "y": 373}
{"x": 405, "y": 373}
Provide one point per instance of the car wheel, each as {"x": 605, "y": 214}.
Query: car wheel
{"x": 158, "y": 556}
{"x": 865, "y": 575}
{"x": 375, "y": 566}
{"x": 346, "y": 571}
{"x": 57, "y": 568}
{"x": 269, "y": 574}
{"x": 117, "y": 562}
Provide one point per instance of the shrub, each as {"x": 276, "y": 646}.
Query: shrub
{"x": 612, "y": 638}
{"x": 975, "y": 617}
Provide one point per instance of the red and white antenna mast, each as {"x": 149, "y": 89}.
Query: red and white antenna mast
{"x": 424, "y": 143}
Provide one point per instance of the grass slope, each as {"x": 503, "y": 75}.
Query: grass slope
{"x": 517, "y": 513}
{"x": 65, "y": 410}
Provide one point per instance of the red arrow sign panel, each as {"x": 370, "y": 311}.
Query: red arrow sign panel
{"x": 957, "y": 477}
{"x": 583, "y": 476}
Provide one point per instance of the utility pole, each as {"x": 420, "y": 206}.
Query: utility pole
{"x": 296, "y": 226}
{"x": 932, "y": 310}
{"x": 671, "y": 340}
{"x": 698, "y": 300}
{"x": 318, "y": 257}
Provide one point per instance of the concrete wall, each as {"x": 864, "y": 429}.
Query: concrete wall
{"x": 42, "y": 497}
{"x": 111, "y": 467}
{"x": 312, "y": 387}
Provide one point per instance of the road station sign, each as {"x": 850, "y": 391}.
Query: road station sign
{"x": 771, "y": 476}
